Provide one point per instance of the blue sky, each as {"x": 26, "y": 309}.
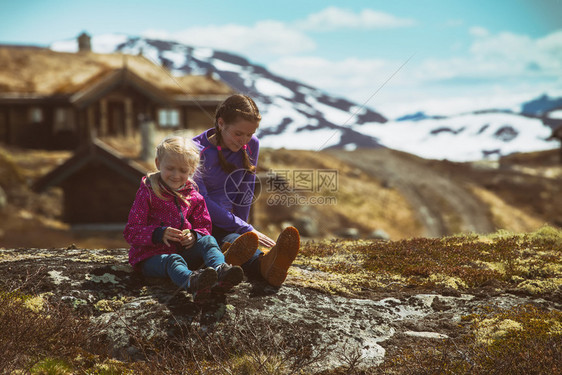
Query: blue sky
{"x": 460, "y": 55}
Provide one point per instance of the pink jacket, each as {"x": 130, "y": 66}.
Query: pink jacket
{"x": 150, "y": 212}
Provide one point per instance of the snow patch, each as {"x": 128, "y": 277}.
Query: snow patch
{"x": 271, "y": 88}
{"x": 304, "y": 140}
{"x": 469, "y": 138}
{"x": 107, "y": 43}
{"x": 555, "y": 114}
{"x": 176, "y": 58}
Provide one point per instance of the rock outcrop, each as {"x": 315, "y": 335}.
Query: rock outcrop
{"x": 100, "y": 284}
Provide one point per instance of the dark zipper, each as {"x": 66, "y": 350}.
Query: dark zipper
{"x": 179, "y": 210}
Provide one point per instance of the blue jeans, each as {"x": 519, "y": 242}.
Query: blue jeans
{"x": 178, "y": 266}
{"x": 252, "y": 267}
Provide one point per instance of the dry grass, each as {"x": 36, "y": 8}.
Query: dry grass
{"x": 362, "y": 202}
{"x": 42, "y": 336}
{"x": 505, "y": 216}
{"x": 530, "y": 263}
{"x": 35, "y": 330}
{"x": 522, "y": 340}
{"x": 242, "y": 346}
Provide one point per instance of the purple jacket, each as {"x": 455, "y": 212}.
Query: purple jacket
{"x": 149, "y": 213}
{"x": 228, "y": 196}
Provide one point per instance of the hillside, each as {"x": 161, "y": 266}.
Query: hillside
{"x": 399, "y": 194}
{"x": 386, "y": 209}
{"x": 361, "y": 201}
{"x": 519, "y": 193}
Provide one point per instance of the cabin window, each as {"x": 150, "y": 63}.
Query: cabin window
{"x": 169, "y": 118}
{"x": 35, "y": 115}
{"x": 64, "y": 120}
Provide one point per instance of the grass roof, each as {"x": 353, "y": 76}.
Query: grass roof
{"x": 40, "y": 71}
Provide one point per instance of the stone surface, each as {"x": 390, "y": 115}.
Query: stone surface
{"x": 101, "y": 284}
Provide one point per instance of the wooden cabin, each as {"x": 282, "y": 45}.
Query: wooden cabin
{"x": 56, "y": 100}
{"x": 99, "y": 185}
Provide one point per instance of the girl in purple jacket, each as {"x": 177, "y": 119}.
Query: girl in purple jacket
{"x": 229, "y": 154}
{"x": 169, "y": 225}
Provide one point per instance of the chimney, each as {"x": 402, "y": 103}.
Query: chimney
{"x": 84, "y": 44}
{"x": 147, "y": 130}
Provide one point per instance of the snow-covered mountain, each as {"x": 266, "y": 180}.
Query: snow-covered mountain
{"x": 465, "y": 137}
{"x": 299, "y": 116}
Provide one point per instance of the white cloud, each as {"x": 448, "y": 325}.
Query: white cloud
{"x": 504, "y": 45}
{"x": 333, "y": 18}
{"x": 263, "y": 38}
{"x": 551, "y": 42}
{"x": 494, "y": 70}
{"x": 497, "y": 57}
{"x": 478, "y": 31}
{"x": 499, "y": 71}
{"x": 333, "y": 76}
{"x": 269, "y": 37}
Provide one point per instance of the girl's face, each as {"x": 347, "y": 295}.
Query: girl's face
{"x": 237, "y": 134}
{"x": 173, "y": 171}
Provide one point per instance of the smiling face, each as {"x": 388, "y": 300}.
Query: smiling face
{"x": 238, "y": 133}
{"x": 174, "y": 171}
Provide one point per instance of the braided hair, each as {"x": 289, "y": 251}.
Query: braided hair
{"x": 235, "y": 107}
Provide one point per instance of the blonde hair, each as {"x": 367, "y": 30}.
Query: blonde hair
{"x": 235, "y": 107}
{"x": 179, "y": 147}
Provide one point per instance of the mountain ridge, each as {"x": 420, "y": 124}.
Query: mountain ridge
{"x": 299, "y": 116}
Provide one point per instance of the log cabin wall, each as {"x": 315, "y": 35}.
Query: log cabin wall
{"x": 98, "y": 194}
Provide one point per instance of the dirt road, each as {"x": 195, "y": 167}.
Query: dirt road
{"x": 443, "y": 204}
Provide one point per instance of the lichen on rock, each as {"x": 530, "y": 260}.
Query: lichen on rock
{"x": 337, "y": 296}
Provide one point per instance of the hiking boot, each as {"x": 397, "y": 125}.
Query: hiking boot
{"x": 276, "y": 262}
{"x": 242, "y": 249}
{"x": 228, "y": 277}
{"x": 200, "y": 283}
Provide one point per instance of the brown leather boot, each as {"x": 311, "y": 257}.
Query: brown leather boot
{"x": 242, "y": 249}
{"x": 225, "y": 247}
{"x": 276, "y": 262}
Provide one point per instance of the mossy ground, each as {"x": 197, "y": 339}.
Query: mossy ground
{"x": 526, "y": 263}
{"x": 518, "y": 341}
{"x": 502, "y": 340}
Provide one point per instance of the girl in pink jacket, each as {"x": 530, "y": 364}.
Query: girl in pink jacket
{"x": 169, "y": 225}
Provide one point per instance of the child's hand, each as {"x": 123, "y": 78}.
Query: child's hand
{"x": 264, "y": 240}
{"x": 171, "y": 234}
{"x": 188, "y": 238}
